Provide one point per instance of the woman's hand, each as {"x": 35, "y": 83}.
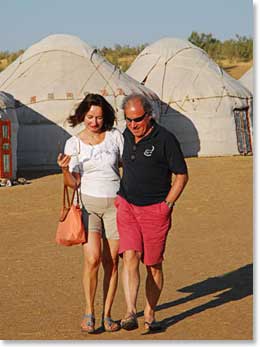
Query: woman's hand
{"x": 63, "y": 161}
{"x": 70, "y": 179}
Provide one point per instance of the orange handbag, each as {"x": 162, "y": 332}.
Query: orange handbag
{"x": 70, "y": 229}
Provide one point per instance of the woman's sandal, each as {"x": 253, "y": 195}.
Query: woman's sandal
{"x": 129, "y": 323}
{"x": 88, "y": 324}
{"x": 109, "y": 325}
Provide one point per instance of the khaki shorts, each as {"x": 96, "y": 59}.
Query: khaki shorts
{"x": 99, "y": 215}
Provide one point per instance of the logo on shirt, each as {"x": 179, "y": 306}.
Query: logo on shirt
{"x": 148, "y": 152}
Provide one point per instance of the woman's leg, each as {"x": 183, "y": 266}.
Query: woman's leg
{"x": 92, "y": 258}
{"x": 110, "y": 265}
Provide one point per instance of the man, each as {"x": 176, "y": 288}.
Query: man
{"x": 144, "y": 204}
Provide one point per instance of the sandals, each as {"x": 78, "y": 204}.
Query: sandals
{"x": 88, "y": 324}
{"x": 129, "y": 323}
{"x": 109, "y": 325}
{"x": 153, "y": 326}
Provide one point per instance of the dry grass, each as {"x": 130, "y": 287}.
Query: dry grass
{"x": 236, "y": 69}
{"x": 3, "y": 64}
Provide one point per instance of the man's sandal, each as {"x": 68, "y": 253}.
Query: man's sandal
{"x": 129, "y": 323}
{"x": 88, "y": 324}
{"x": 153, "y": 326}
{"x": 109, "y": 325}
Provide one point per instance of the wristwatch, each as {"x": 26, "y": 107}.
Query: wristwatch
{"x": 169, "y": 204}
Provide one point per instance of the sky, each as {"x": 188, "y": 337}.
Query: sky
{"x": 134, "y": 22}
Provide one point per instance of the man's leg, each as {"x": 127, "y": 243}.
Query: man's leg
{"x": 154, "y": 247}
{"x": 153, "y": 288}
{"x": 131, "y": 279}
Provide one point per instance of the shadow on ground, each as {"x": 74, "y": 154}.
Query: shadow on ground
{"x": 233, "y": 285}
{"x": 34, "y": 174}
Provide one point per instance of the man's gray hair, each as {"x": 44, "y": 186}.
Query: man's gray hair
{"x": 145, "y": 102}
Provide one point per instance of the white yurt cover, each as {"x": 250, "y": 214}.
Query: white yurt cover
{"x": 50, "y": 79}
{"x": 248, "y": 80}
{"x": 7, "y": 111}
{"x": 203, "y": 106}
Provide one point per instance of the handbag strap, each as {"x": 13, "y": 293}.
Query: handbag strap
{"x": 66, "y": 196}
{"x": 77, "y": 196}
{"x": 66, "y": 190}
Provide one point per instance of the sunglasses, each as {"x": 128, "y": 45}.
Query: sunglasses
{"x": 135, "y": 120}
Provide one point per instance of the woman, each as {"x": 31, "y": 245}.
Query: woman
{"x": 91, "y": 162}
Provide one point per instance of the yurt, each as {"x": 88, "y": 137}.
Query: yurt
{"x": 8, "y": 137}
{"x": 49, "y": 80}
{"x": 208, "y": 111}
{"x": 248, "y": 80}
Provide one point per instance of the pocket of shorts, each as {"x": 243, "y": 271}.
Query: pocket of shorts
{"x": 165, "y": 208}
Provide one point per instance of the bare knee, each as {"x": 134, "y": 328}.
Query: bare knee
{"x": 92, "y": 261}
{"x": 131, "y": 258}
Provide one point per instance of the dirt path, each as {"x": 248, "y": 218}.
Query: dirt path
{"x": 208, "y": 265}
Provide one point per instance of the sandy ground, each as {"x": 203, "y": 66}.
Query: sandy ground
{"x": 208, "y": 264}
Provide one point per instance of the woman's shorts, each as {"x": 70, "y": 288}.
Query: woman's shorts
{"x": 99, "y": 215}
{"x": 143, "y": 229}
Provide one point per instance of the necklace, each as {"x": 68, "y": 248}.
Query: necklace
{"x": 92, "y": 139}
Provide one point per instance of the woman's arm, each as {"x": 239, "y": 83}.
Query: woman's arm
{"x": 71, "y": 179}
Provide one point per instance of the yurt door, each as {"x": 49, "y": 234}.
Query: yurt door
{"x": 5, "y": 149}
{"x": 244, "y": 142}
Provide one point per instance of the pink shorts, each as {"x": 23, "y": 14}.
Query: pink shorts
{"x": 143, "y": 229}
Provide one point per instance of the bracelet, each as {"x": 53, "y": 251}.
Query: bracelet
{"x": 66, "y": 168}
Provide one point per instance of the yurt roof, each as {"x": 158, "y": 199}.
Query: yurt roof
{"x": 59, "y": 42}
{"x": 65, "y": 68}
{"x": 180, "y": 72}
{"x": 247, "y": 80}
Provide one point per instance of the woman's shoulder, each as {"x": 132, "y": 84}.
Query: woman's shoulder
{"x": 116, "y": 136}
{"x": 71, "y": 143}
{"x": 72, "y": 140}
{"x": 115, "y": 133}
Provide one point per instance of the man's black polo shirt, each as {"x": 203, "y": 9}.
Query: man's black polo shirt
{"x": 148, "y": 166}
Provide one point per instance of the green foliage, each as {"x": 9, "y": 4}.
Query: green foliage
{"x": 240, "y": 49}
{"x": 204, "y": 41}
{"x": 121, "y": 56}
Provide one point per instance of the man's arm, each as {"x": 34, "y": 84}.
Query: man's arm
{"x": 177, "y": 187}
